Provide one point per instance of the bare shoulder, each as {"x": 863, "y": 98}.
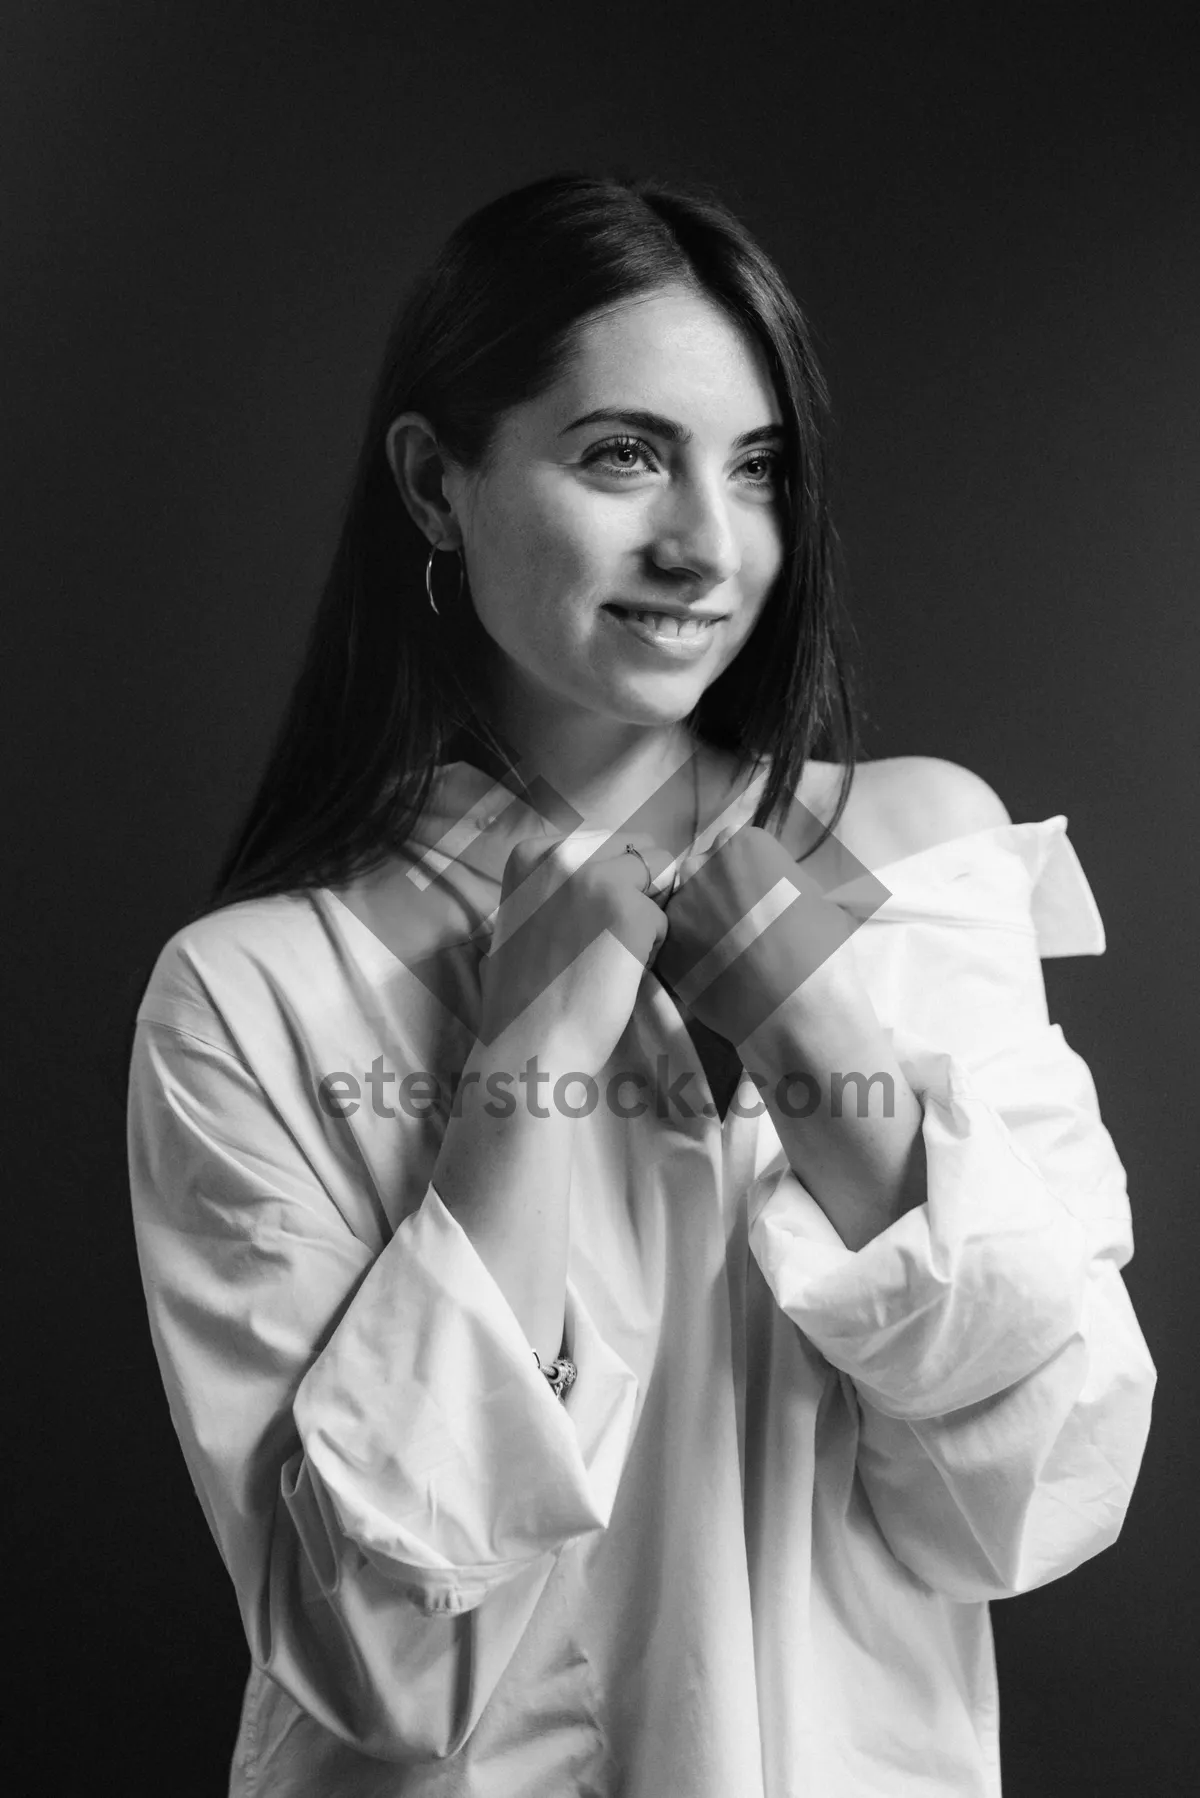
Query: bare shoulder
{"x": 906, "y": 803}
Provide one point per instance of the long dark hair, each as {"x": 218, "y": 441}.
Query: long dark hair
{"x": 387, "y": 690}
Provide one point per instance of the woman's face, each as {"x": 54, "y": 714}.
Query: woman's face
{"x": 575, "y": 525}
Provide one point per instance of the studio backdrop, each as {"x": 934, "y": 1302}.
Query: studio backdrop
{"x": 208, "y": 217}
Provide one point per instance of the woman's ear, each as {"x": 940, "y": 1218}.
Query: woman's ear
{"x": 418, "y": 467}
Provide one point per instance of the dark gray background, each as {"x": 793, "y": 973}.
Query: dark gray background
{"x": 206, "y": 216}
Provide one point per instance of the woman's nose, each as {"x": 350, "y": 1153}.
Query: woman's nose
{"x": 696, "y": 533}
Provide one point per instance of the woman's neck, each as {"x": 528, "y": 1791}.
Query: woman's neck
{"x": 604, "y": 768}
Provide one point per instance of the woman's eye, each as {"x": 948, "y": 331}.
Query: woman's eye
{"x": 618, "y": 446}
{"x": 764, "y": 469}
{"x": 772, "y": 465}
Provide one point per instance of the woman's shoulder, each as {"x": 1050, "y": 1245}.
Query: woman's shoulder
{"x": 246, "y": 927}
{"x": 244, "y": 948}
{"x": 903, "y": 804}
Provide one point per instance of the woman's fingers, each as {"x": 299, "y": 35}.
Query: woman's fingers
{"x": 649, "y": 856}
{"x": 694, "y": 859}
{"x": 603, "y": 847}
{"x": 569, "y": 907}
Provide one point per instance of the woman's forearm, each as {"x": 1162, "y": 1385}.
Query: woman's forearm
{"x": 863, "y": 1171}
{"x": 506, "y": 1179}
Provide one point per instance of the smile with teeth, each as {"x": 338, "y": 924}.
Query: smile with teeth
{"x": 667, "y": 624}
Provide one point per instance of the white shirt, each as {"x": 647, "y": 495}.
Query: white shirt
{"x": 751, "y": 1553}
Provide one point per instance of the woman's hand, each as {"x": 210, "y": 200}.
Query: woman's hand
{"x": 748, "y": 930}
{"x": 799, "y": 1015}
{"x": 572, "y": 942}
{"x": 573, "y": 935}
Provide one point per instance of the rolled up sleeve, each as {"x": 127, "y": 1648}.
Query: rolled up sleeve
{"x": 442, "y": 1450}
{"x": 1003, "y": 1384}
{"x": 370, "y": 1438}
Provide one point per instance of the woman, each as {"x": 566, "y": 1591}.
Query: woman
{"x": 583, "y": 1394}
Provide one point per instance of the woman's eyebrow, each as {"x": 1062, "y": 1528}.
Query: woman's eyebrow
{"x": 658, "y": 426}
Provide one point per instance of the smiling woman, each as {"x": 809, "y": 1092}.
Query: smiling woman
{"x": 652, "y": 1447}
{"x": 593, "y": 641}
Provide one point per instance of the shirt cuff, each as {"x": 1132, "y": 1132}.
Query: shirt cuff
{"x": 438, "y": 1443}
{"x": 960, "y": 1297}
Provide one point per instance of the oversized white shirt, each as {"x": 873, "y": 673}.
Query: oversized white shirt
{"x": 750, "y": 1555}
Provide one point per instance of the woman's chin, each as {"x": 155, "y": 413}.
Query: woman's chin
{"x": 661, "y": 699}
{"x": 665, "y": 710}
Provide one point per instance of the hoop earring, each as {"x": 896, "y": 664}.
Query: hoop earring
{"x": 429, "y": 577}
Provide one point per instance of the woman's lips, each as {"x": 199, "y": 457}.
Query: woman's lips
{"x": 680, "y": 637}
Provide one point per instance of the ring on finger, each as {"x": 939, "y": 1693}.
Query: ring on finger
{"x": 631, "y": 850}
